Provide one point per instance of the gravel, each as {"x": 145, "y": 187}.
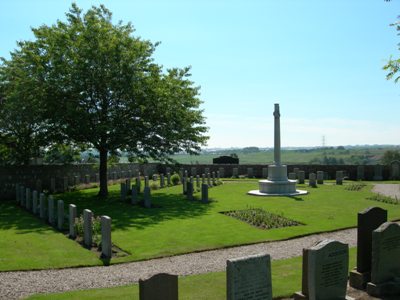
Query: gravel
{"x": 390, "y": 190}
{"x": 16, "y": 285}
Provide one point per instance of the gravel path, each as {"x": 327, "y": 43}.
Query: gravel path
{"x": 390, "y": 190}
{"x": 15, "y": 285}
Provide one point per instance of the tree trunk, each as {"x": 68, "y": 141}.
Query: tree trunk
{"x": 103, "y": 173}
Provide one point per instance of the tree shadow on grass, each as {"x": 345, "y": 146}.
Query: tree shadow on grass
{"x": 15, "y": 217}
{"x": 125, "y": 215}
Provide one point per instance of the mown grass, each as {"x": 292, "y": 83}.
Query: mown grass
{"x": 286, "y": 279}
{"x": 181, "y": 226}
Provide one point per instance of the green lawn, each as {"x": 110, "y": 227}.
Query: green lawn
{"x": 27, "y": 243}
{"x": 179, "y": 226}
{"x": 286, "y": 279}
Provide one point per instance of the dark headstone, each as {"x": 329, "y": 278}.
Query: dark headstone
{"x": 189, "y": 190}
{"x": 159, "y": 287}
{"x": 367, "y": 221}
{"x": 147, "y": 197}
{"x": 204, "y": 193}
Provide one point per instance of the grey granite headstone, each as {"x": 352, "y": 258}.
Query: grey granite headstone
{"x": 147, "y": 197}
{"x": 204, "y": 193}
{"x": 296, "y": 171}
{"x": 106, "y": 244}
{"x": 138, "y": 184}
{"x": 250, "y": 173}
{"x": 159, "y": 287}
{"x": 360, "y": 172}
{"x": 378, "y": 173}
{"x": 155, "y": 178}
{"x": 197, "y": 181}
{"x": 193, "y": 171}
{"x": 146, "y": 181}
{"x": 52, "y": 185}
{"x": 292, "y": 176}
{"x": 71, "y": 220}
{"x": 22, "y": 195}
{"x": 50, "y": 208}
{"x": 320, "y": 177}
{"x": 203, "y": 178}
{"x": 128, "y": 186}
{"x": 206, "y": 170}
{"x": 34, "y": 202}
{"x": 42, "y": 206}
{"x": 218, "y": 176}
{"x": 264, "y": 172}
{"x": 123, "y": 191}
{"x": 385, "y": 266}
{"x": 395, "y": 170}
{"x": 221, "y": 172}
{"x": 87, "y": 228}
{"x": 235, "y": 172}
{"x": 312, "y": 180}
{"x": 134, "y": 196}
{"x": 301, "y": 177}
{"x": 60, "y": 214}
{"x": 28, "y": 199}
{"x": 168, "y": 179}
{"x": 208, "y": 179}
{"x": 213, "y": 178}
{"x": 339, "y": 177}
{"x": 328, "y": 263}
{"x": 367, "y": 221}
{"x": 189, "y": 190}
{"x": 162, "y": 181}
{"x": 65, "y": 184}
{"x": 249, "y": 278}
{"x": 184, "y": 185}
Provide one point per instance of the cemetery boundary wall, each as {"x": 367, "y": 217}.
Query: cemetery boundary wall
{"x": 40, "y": 177}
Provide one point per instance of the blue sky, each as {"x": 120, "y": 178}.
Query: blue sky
{"x": 321, "y": 60}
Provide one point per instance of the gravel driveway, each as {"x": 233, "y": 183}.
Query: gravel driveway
{"x": 390, "y": 190}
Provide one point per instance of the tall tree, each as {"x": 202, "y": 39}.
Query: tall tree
{"x": 100, "y": 86}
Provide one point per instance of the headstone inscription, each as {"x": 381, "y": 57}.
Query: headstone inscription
{"x": 327, "y": 267}
{"x": 367, "y": 221}
{"x": 160, "y": 286}
{"x": 249, "y": 278}
{"x": 385, "y": 266}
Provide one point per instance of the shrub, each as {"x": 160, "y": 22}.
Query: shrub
{"x": 96, "y": 228}
{"x": 384, "y": 199}
{"x": 175, "y": 179}
{"x": 355, "y": 186}
{"x": 154, "y": 185}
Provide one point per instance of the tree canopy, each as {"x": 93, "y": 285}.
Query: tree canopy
{"x": 393, "y": 65}
{"x": 94, "y": 83}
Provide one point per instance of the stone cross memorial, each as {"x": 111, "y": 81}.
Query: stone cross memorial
{"x": 249, "y": 278}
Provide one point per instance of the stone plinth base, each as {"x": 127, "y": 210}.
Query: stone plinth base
{"x": 390, "y": 288}
{"x": 359, "y": 280}
{"x": 277, "y": 173}
{"x": 277, "y": 187}
{"x": 258, "y": 193}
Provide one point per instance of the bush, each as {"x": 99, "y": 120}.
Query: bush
{"x": 96, "y": 228}
{"x": 175, "y": 179}
{"x": 154, "y": 186}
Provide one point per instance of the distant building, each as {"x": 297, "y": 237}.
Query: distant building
{"x": 226, "y": 160}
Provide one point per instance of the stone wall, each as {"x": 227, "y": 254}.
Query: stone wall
{"x": 40, "y": 177}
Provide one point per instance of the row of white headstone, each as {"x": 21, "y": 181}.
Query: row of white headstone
{"x": 36, "y": 204}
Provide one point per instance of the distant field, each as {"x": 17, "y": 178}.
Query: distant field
{"x": 359, "y": 155}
